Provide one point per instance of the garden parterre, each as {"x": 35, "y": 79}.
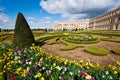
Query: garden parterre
{"x": 35, "y": 64}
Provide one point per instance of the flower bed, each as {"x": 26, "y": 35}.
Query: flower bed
{"x": 82, "y": 39}
{"x": 35, "y": 64}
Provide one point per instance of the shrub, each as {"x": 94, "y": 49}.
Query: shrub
{"x": 116, "y": 51}
{"x": 53, "y": 41}
{"x": 23, "y": 36}
{"x": 96, "y": 50}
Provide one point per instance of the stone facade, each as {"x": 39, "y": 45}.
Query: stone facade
{"x": 71, "y": 25}
{"x": 108, "y": 21}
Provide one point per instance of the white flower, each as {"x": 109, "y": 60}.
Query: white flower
{"x": 106, "y": 72}
{"x": 51, "y": 68}
{"x": 71, "y": 73}
{"x": 103, "y": 76}
{"x": 59, "y": 68}
{"x": 65, "y": 69}
{"x": 16, "y": 57}
{"x": 27, "y": 63}
{"x": 43, "y": 68}
{"x": 28, "y": 68}
{"x": 110, "y": 77}
{"x": 63, "y": 72}
{"x": 79, "y": 71}
{"x": 30, "y": 62}
{"x": 19, "y": 61}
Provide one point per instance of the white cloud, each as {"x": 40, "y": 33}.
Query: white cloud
{"x": 78, "y": 9}
{"x": 74, "y": 16}
{"x": 3, "y": 18}
{"x": 43, "y": 23}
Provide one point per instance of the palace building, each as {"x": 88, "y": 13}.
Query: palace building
{"x": 71, "y": 25}
{"x": 107, "y": 21}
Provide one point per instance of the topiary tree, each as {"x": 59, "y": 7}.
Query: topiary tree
{"x": 23, "y": 36}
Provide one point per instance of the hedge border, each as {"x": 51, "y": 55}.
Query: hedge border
{"x": 96, "y": 50}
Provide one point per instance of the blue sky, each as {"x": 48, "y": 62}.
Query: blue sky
{"x": 43, "y": 13}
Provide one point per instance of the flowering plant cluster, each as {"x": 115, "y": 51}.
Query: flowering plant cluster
{"x": 35, "y": 64}
{"x": 82, "y": 37}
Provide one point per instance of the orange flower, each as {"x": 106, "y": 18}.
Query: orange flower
{"x": 25, "y": 73}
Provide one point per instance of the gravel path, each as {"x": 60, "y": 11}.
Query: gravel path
{"x": 79, "y": 53}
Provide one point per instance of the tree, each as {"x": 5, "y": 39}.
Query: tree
{"x": 23, "y": 36}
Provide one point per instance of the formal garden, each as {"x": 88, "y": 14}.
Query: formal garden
{"x": 59, "y": 55}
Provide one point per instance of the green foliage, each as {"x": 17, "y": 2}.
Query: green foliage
{"x": 96, "y": 50}
{"x": 54, "y": 41}
{"x": 111, "y": 40}
{"x": 69, "y": 46}
{"x": 23, "y": 36}
{"x": 116, "y": 51}
{"x": 82, "y": 39}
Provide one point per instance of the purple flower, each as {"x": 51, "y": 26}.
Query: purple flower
{"x": 22, "y": 62}
{"x": 36, "y": 67}
{"x": 29, "y": 60}
{"x": 19, "y": 52}
{"x": 84, "y": 73}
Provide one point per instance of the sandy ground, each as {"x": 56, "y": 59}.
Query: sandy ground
{"x": 79, "y": 53}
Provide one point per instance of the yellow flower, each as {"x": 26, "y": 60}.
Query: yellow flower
{"x": 114, "y": 67}
{"x": 87, "y": 67}
{"x": 1, "y": 60}
{"x": 1, "y": 73}
{"x": 12, "y": 62}
{"x": 42, "y": 78}
{"x": 86, "y": 64}
{"x": 54, "y": 64}
{"x": 81, "y": 61}
{"x": 88, "y": 77}
{"x": 118, "y": 63}
{"x": 110, "y": 66}
{"x": 91, "y": 64}
{"x": 115, "y": 72}
{"x": 97, "y": 65}
{"x": 38, "y": 75}
{"x": 18, "y": 70}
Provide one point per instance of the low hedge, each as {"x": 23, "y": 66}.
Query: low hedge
{"x": 111, "y": 40}
{"x": 54, "y": 41}
{"x": 96, "y": 50}
{"x": 69, "y": 46}
{"x": 116, "y": 51}
{"x": 83, "y": 42}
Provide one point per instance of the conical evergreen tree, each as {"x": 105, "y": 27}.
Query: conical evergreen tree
{"x": 23, "y": 36}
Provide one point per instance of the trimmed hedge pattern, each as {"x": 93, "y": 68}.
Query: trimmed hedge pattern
{"x": 116, "y": 51}
{"x": 96, "y": 50}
